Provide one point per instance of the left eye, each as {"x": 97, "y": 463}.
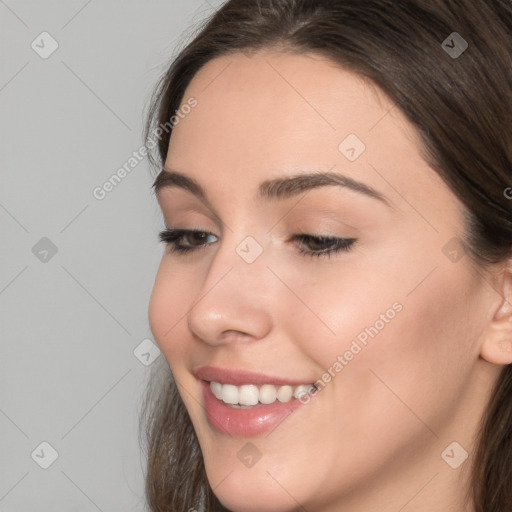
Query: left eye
{"x": 323, "y": 246}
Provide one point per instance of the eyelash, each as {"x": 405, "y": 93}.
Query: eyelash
{"x": 172, "y": 237}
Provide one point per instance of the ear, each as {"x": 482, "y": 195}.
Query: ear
{"x": 497, "y": 345}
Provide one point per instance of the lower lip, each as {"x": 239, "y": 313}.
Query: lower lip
{"x": 254, "y": 421}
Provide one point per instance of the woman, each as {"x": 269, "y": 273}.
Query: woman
{"x": 335, "y": 298}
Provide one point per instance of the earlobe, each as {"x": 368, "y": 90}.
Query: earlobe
{"x": 497, "y": 346}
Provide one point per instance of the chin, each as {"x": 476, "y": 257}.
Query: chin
{"x": 245, "y": 495}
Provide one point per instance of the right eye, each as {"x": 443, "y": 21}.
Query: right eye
{"x": 193, "y": 239}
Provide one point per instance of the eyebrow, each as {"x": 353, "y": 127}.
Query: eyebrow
{"x": 274, "y": 189}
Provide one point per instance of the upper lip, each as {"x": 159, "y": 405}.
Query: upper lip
{"x": 238, "y": 377}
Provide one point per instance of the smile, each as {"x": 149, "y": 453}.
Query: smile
{"x": 241, "y": 403}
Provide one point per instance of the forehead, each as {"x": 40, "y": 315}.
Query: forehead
{"x": 270, "y": 101}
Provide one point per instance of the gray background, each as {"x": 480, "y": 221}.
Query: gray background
{"x": 71, "y": 321}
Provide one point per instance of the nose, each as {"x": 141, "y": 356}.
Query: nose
{"x": 234, "y": 301}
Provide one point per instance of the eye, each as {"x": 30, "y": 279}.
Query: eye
{"x": 186, "y": 240}
{"x": 311, "y": 245}
{"x": 193, "y": 239}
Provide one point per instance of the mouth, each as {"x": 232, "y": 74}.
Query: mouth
{"x": 245, "y": 404}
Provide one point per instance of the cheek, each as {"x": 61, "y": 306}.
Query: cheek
{"x": 387, "y": 341}
{"x": 406, "y": 380}
{"x": 171, "y": 298}
{"x": 334, "y": 305}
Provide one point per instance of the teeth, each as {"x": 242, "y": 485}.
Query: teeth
{"x": 216, "y": 388}
{"x": 241, "y": 397}
{"x": 230, "y": 394}
{"x": 248, "y": 395}
{"x": 301, "y": 391}
{"x": 268, "y": 394}
{"x": 285, "y": 393}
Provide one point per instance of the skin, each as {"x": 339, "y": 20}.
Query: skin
{"x": 372, "y": 438}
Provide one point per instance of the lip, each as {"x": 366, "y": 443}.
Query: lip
{"x": 254, "y": 421}
{"x": 239, "y": 377}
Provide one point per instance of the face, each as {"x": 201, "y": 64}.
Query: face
{"x": 326, "y": 251}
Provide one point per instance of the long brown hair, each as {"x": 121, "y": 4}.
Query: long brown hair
{"x": 461, "y": 107}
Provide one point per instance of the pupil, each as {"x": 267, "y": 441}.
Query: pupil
{"x": 318, "y": 244}
{"x": 199, "y": 236}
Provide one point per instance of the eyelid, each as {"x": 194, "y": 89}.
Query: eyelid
{"x": 172, "y": 207}
{"x": 325, "y": 233}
